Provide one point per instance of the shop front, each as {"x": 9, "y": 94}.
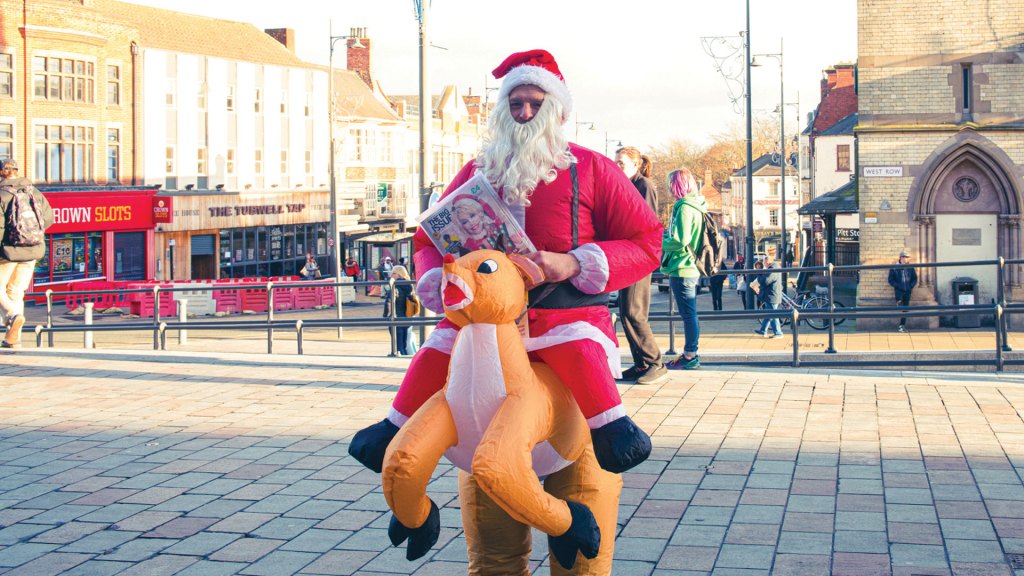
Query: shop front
{"x": 102, "y": 233}
{"x": 232, "y": 235}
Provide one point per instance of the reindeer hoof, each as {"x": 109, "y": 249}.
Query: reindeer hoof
{"x": 422, "y": 538}
{"x": 620, "y": 445}
{"x": 370, "y": 443}
{"x": 583, "y": 536}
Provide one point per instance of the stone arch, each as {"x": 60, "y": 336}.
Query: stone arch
{"x": 970, "y": 158}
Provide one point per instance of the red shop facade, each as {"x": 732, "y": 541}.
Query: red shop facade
{"x": 99, "y": 233}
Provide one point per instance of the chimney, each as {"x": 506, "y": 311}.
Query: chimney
{"x": 709, "y": 180}
{"x": 829, "y": 81}
{"x": 844, "y": 75}
{"x": 286, "y": 36}
{"x": 359, "y": 54}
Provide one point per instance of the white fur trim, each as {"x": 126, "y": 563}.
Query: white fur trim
{"x": 574, "y": 331}
{"x": 428, "y": 288}
{"x": 542, "y": 78}
{"x": 594, "y": 269}
{"x": 607, "y": 417}
{"x": 441, "y": 339}
{"x": 396, "y": 417}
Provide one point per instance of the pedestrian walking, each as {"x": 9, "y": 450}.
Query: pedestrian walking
{"x": 403, "y": 293}
{"x": 25, "y": 214}
{"x": 741, "y": 280}
{"x": 716, "y": 283}
{"x": 903, "y": 281}
{"x": 635, "y": 300}
{"x": 678, "y": 246}
{"x": 768, "y": 286}
{"x": 311, "y": 270}
{"x": 352, "y": 268}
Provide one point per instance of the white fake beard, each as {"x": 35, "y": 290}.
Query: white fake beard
{"x": 516, "y": 157}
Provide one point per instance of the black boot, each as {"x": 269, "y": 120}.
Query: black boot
{"x": 620, "y": 445}
{"x": 370, "y": 443}
{"x": 583, "y": 536}
{"x": 420, "y": 539}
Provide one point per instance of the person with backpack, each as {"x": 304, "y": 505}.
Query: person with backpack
{"x": 681, "y": 248}
{"x": 26, "y": 216}
{"x": 635, "y": 300}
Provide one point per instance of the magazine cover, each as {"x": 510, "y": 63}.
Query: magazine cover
{"x": 474, "y": 218}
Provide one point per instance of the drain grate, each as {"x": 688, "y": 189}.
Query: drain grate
{"x": 1016, "y": 561}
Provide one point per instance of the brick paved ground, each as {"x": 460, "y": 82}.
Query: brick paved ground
{"x": 202, "y": 464}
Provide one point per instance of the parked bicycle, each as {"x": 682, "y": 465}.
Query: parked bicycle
{"x": 808, "y": 301}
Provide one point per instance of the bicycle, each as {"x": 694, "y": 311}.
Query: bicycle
{"x": 807, "y": 301}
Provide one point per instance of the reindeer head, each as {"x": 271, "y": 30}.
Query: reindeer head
{"x": 487, "y": 287}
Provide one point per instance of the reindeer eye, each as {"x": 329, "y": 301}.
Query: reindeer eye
{"x": 487, "y": 267}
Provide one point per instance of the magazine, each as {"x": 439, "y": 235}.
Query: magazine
{"x": 473, "y": 217}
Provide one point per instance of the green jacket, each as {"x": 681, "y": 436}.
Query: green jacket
{"x": 683, "y": 230}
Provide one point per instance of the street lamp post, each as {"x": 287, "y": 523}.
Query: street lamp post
{"x": 426, "y": 108}
{"x": 750, "y": 160}
{"x": 333, "y": 244}
{"x": 607, "y": 140}
{"x": 589, "y": 125}
{"x": 782, "y": 143}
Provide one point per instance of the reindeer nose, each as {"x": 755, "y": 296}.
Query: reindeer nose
{"x": 448, "y": 259}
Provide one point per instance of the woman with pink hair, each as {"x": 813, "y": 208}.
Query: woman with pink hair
{"x": 679, "y": 262}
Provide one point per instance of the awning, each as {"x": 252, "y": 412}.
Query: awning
{"x": 842, "y": 200}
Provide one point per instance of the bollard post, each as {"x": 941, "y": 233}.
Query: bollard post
{"x": 829, "y": 273}
{"x": 671, "y": 322}
{"x": 298, "y": 335}
{"x": 795, "y": 319}
{"x": 182, "y": 318}
{"x": 156, "y": 304}
{"x": 39, "y": 336}
{"x": 163, "y": 335}
{"x": 1000, "y": 343}
{"x": 270, "y": 317}
{"x": 49, "y": 317}
{"x": 391, "y": 317}
{"x": 1001, "y": 295}
{"x": 88, "y": 343}
{"x": 337, "y": 302}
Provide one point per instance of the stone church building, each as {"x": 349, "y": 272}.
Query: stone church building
{"x": 940, "y": 143}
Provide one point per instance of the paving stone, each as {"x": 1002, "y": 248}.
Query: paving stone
{"x": 707, "y": 515}
{"x": 914, "y": 533}
{"x": 202, "y": 544}
{"x": 180, "y": 528}
{"x": 280, "y": 562}
{"x": 813, "y": 543}
{"x": 283, "y": 528}
{"x": 139, "y": 549}
{"x": 212, "y": 568}
{"x": 339, "y": 563}
{"x": 745, "y": 556}
{"x": 246, "y": 550}
{"x": 98, "y": 568}
{"x": 162, "y": 564}
{"x": 859, "y": 541}
{"x": 688, "y": 558}
{"x": 100, "y": 542}
{"x": 765, "y": 534}
{"x": 642, "y": 549}
{"x": 846, "y": 520}
{"x": 52, "y": 563}
{"x": 916, "y": 555}
{"x": 800, "y": 564}
{"x": 954, "y": 528}
{"x": 21, "y": 553}
{"x": 973, "y": 550}
{"x": 691, "y": 535}
{"x": 855, "y": 564}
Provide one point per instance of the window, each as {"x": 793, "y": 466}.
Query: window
{"x": 231, "y": 99}
{"x": 230, "y": 166}
{"x": 773, "y": 217}
{"x": 284, "y": 102}
{"x": 386, "y": 147}
{"x": 259, "y": 161}
{"x": 309, "y": 162}
{"x": 966, "y": 80}
{"x": 172, "y": 91}
{"x": 169, "y": 160}
{"x": 259, "y": 101}
{"x": 355, "y": 149}
{"x": 6, "y": 141}
{"x": 309, "y": 105}
{"x": 6, "y": 75}
{"x": 64, "y": 153}
{"x": 113, "y": 85}
{"x": 284, "y": 162}
{"x": 843, "y": 158}
{"x": 113, "y": 154}
{"x": 64, "y": 79}
{"x": 773, "y": 188}
{"x": 201, "y": 161}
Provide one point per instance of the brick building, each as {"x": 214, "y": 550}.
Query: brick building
{"x": 941, "y": 142}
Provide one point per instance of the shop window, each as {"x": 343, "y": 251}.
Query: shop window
{"x": 71, "y": 257}
{"x": 113, "y": 85}
{"x": 6, "y": 141}
{"x": 64, "y": 79}
{"x": 64, "y": 153}
{"x": 130, "y": 256}
{"x": 843, "y": 158}
{"x": 6, "y": 75}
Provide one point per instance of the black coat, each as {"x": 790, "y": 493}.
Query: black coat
{"x": 902, "y": 279}
{"x": 402, "y": 294}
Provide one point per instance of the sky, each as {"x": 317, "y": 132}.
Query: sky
{"x": 637, "y": 68}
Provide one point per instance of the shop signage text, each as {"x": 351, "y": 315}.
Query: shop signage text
{"x": 883, "y": 171}
{"x": 163, "y": 209}
{"x": 848, "y": 234}
{"x": 89, "y": 212}
{"x": 255, "y": 210}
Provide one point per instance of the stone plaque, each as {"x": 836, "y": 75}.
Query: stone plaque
{"x": 966, "y": 189}
{"x": 966, "y": 236}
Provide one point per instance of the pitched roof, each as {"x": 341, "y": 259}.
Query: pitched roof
{"x": 354, "y": 99}
{"x": 765, "y": 165}
{"x": 180, "y": 32}
{"x": 842, "y": 128}
{"x": 842, "y": 200}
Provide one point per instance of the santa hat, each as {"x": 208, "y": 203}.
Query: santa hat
{"x": 537, "y": 68}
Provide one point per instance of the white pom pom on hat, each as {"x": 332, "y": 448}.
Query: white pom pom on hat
{"x": 536, "y": 68}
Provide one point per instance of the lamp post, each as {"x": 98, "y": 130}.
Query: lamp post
{"x": 589, "y": 125}
{"x": 422, "y": 7}
{"x": 750, "y": 160}
{"x": 782, "y": 142}
{"x": 333, "y": 244}
{"x": 618, "y": 143}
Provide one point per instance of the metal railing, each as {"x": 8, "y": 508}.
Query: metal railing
{"x": 1000, "y": 310}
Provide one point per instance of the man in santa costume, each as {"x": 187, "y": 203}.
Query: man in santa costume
{"x": 590, "y": 242}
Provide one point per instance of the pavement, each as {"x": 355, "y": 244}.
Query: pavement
{"x": 135, "y": 462}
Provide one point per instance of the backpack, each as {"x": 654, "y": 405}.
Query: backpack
{"x": 710, "y": 250}
{"x": 23, "y": 222}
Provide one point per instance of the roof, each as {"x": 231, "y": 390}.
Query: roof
{"x": 842, "y": 200}
{"x": 842, "y": 128}
{"x": 180, "y": 32}
{"x": 354, "y": 99}
{"x": 765, "y": 165}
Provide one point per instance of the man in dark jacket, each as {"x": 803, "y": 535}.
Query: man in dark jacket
{"x": 903, "y": 281}
{"x": 17, "y": 261}
{"x": 769, "y": 289}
